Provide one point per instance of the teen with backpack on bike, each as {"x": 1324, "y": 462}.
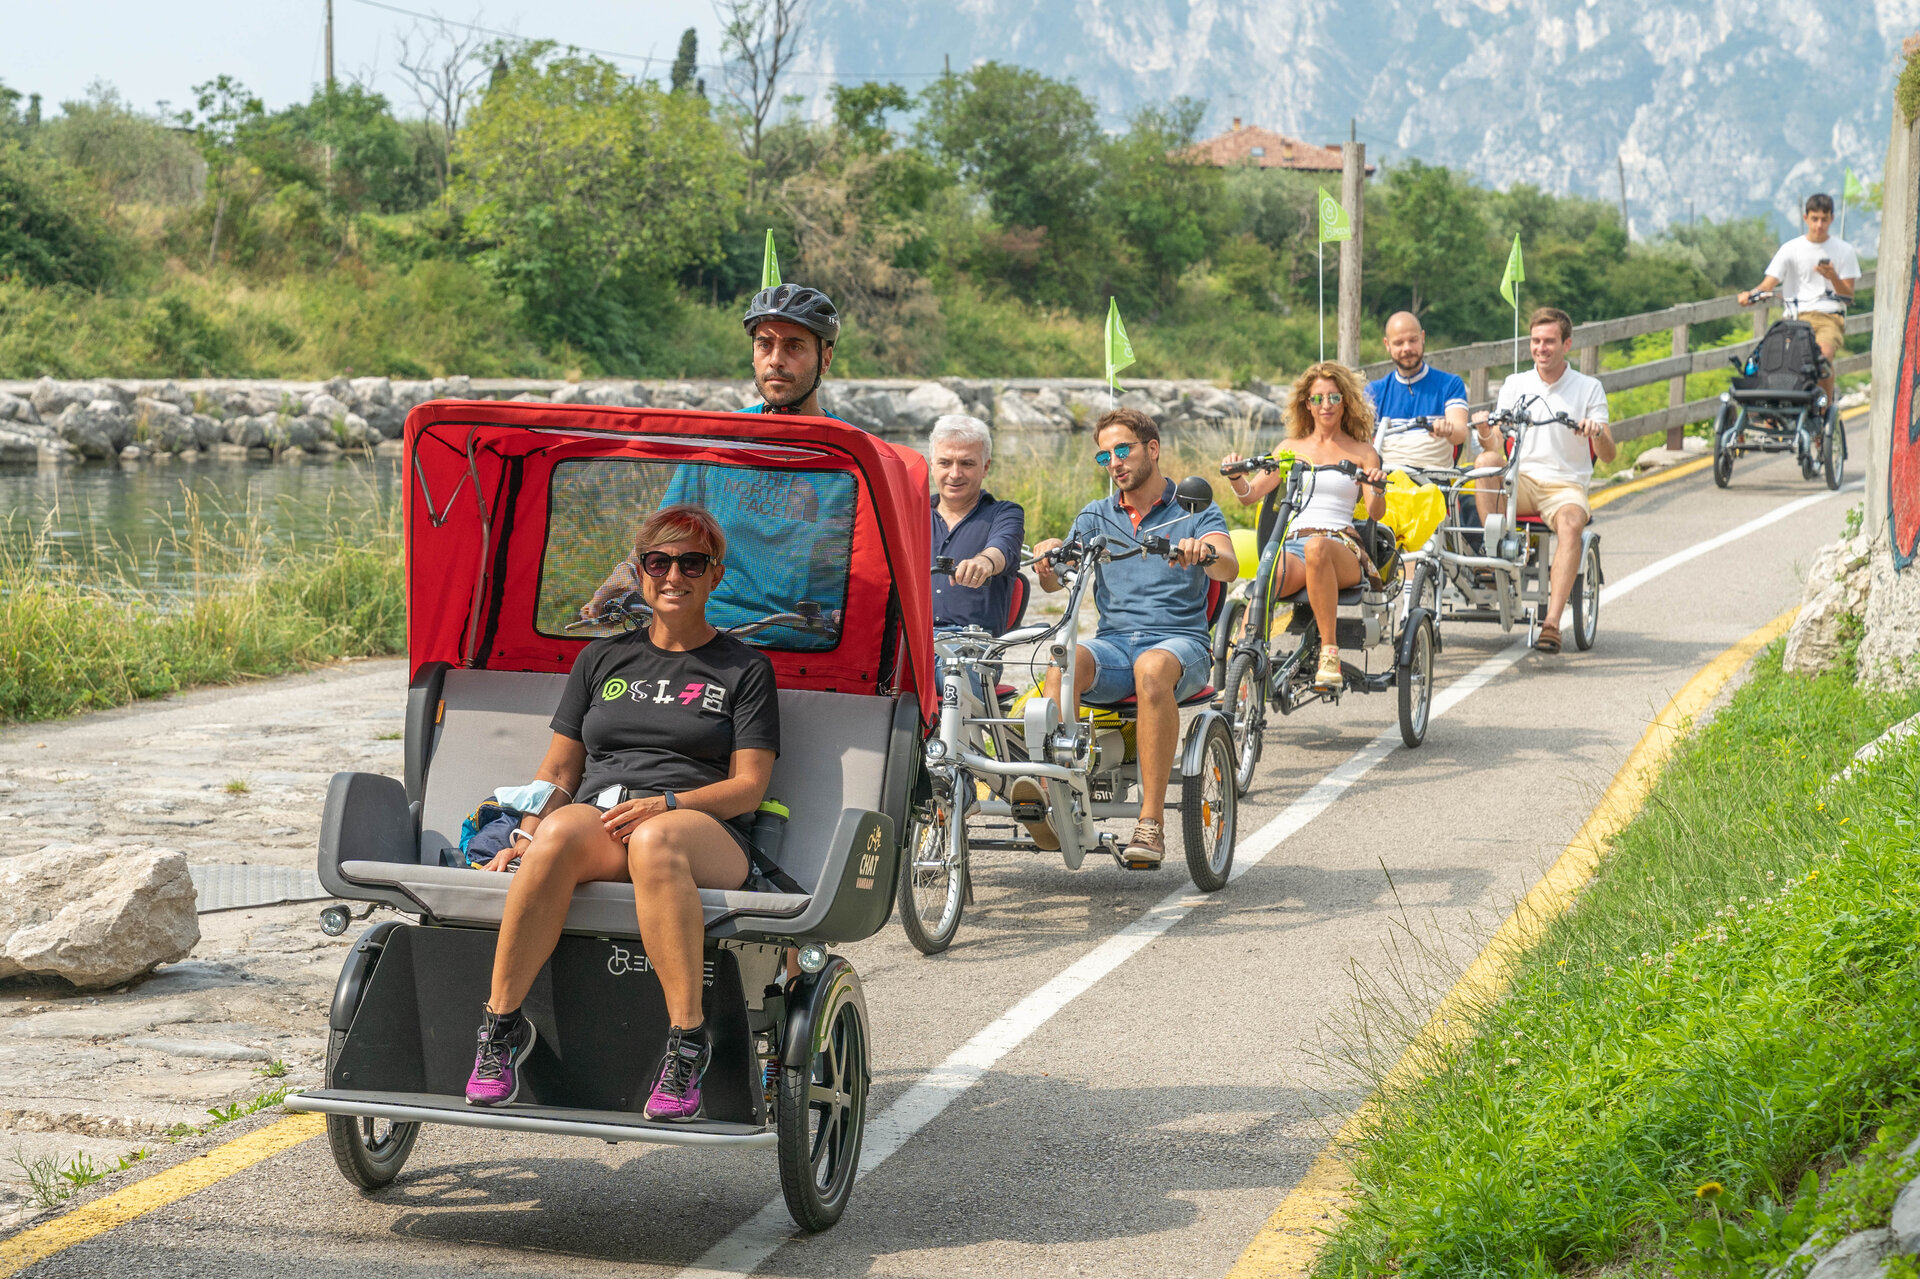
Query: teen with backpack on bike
{"x": 1815, "y": 274}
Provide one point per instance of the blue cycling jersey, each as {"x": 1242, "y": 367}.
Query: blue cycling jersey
{"x": 1398, "y": 400}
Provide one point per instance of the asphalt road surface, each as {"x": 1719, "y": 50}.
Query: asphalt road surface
{"x": 1143, "y": 1113}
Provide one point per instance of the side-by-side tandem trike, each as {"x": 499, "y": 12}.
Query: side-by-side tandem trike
{"x": 514, "y": 515}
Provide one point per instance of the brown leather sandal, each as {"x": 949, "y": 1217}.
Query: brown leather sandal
{"x": 1549, "y": 641}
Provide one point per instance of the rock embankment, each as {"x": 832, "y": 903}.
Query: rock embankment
{"x": 49, "y": 421}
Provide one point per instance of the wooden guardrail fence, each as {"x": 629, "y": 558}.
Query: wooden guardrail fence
{"x": 1476, "y": 362}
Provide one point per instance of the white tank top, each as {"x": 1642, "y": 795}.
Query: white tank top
{"x": 1330, "y": 503}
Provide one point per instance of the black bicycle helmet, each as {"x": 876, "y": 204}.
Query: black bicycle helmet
{"x": 796, "y": 303}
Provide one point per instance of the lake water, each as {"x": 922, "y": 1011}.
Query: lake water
{"x": 129, "y": 511}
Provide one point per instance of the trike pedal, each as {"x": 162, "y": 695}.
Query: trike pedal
{"x": 1029, "y": 810}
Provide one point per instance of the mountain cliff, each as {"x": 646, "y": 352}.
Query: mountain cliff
{"x": 1725, "y": 106}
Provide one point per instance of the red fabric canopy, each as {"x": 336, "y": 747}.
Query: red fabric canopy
{"x": 476, "y": 503}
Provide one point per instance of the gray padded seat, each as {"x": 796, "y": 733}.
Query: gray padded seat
{"x": 494, "y": 731}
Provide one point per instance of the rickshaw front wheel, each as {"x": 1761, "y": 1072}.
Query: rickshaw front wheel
{"x": 822, "y": 1105}
{"x": 1243, "y": 702}
{"x": 370, "y": 1152}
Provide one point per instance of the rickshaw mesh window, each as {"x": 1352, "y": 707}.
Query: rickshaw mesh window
{"x": 789, "y": 546}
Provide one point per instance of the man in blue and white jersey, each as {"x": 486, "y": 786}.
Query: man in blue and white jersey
{"x": 1415, "y": 389}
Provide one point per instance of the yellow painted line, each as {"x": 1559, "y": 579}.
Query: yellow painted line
{"x": 37, "y": 1243}
{"x": 1290, "y": 1241}
{"x": 1679, "y": 472}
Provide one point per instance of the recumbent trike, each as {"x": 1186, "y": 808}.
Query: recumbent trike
{"x": 513, "y": 514}
{"x": 1084, "y": 767}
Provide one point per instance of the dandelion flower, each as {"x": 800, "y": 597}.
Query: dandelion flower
{"x": 1711, "y": 1190}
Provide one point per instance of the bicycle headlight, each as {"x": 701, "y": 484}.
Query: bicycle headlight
{"x": 936, "y": 751}
{"x": 813, "y": 957}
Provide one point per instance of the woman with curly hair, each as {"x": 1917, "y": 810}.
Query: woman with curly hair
{"x": 1329, "y": 420}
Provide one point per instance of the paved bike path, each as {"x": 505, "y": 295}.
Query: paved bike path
{"x": 1149, "y": 1125}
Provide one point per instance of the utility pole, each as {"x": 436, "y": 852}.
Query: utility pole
{"x": 329, "y": 47}
{"x": 1620, "y": 167}
{"x": 1353, "y": 195}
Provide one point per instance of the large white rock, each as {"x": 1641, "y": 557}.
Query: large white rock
{"x": 1013, "y": 411}
{"x": 1836, "y": 592}
{"x": 1890, "y": 650}
{"x": 327, "y": 406}
{"x": 927, "y": 403}
{"x": 95, "y": 916}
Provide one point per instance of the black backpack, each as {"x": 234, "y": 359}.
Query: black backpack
{"x": 1787, "y": 359}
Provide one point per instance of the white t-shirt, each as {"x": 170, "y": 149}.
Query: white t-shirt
{"x": 1800, "y": 283}
{"x": 1551, "y": 451}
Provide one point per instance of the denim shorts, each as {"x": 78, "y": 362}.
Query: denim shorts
{"x": 1115, "y": 651}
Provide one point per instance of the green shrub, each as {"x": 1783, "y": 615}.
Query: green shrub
{"x": 51, "y": 227}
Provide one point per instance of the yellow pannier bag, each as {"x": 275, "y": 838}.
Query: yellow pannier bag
{"x": 1246, "y": 548}
{"x": 1414, "y": 511}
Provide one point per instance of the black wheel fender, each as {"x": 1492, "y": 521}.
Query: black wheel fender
{"x": 1193, "y": 750}
{"x": 1404, "y": 655}
{"x": 356, "y": 972}
{"x": 812, "y": 999}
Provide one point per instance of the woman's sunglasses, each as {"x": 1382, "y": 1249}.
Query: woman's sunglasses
{"x": 1331, "y": 397}
{"x": 692, "y": 563}
{"x": 1105, "y": 456}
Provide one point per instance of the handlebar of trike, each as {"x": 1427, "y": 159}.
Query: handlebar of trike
{"x": 1077, "y": 552}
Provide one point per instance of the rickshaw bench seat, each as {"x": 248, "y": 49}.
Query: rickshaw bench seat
{"x": 604, "y": 909}
{"x": 1783, "y": 396}
{"x": 841, "y": 772}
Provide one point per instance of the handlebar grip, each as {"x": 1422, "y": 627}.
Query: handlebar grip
{"x": 943, "y": 563}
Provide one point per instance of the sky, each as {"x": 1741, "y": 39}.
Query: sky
{"x": 153, "y": 52}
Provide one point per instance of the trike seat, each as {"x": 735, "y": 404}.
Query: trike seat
{"x": 1761, "y": 395}
{"x": 1349, "y": 595}
{"x": 1128, "y": 704}
{"x": 492, "y": 729}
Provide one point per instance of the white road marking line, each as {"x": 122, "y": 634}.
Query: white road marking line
{"x": 747, "y": 1248}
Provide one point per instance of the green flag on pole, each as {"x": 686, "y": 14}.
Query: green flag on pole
{"x": 1119, "y": 349}
{"x": 770, "y": 265}
{"x": 1853, "y": 191}
{"x": 1334, "y": 222}
{"x": 1516, "y": 273}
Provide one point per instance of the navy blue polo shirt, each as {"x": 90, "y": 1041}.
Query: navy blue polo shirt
{"x": 1146, "y": 595}
{"x": 990, "y": 523}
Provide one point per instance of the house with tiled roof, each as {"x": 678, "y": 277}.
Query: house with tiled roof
{"x": 1254, "y": 147}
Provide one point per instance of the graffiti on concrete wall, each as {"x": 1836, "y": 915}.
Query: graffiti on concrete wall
{"x": 1903, "y": 467}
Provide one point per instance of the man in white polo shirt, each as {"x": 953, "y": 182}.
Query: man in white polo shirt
{"x": 1815, "y": 274}
{"x": 1556, "y": 462}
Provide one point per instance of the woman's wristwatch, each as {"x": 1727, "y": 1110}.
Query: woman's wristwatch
{"x": 673, "y": 801}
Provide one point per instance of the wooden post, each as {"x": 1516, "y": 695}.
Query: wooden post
{"x": 1590, "y": 360}
{"x": 1677, "y": 390}
{"x": 1353, "y": 193}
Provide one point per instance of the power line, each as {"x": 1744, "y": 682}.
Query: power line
{"x": 646, "y": 60}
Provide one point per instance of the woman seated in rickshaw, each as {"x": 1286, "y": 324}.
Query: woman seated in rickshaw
{"x": 664, "y": 740}
{"x": 1329, "y": 420}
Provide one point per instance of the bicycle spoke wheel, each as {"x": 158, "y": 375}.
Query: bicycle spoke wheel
{"x": 933, "y": 884}
{"x": 1245, "y": 709}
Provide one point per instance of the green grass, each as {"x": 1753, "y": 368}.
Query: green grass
{"x": 1733, "y": 999}
{"x": 52, "y": 1180}
{"x": 82, "y": 633}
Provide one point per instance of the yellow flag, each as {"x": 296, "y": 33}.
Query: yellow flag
{"x": 1516, "y": 273}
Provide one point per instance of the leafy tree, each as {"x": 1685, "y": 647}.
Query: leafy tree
{"x": 1168, "y": 212}
{"x": 51, "y": 228}
{"x": 223, "y": 111}
{"x": 132, "y": 158}
{"x": 1026, "y": 142}
{"x": 345, "y": 144}
{"x": 860, "y": 112}
{"x": 588, "y": 191}
{"x": 686, "y": 65}
{"x": 1428, "y": 247}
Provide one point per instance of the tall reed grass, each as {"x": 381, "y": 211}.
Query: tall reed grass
{"x": 80, "y": 631}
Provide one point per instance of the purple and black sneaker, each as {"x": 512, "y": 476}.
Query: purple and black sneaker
{"x": 505, "y": 1042}
{"x": 676, "y": 1093}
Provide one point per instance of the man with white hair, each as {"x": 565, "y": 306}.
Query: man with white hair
{"x": 981, "y": 533}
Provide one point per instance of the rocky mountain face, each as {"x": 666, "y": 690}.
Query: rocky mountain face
{"x": 1727, "y": 106}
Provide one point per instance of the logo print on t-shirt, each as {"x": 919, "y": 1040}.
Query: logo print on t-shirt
{"x": 613, "y": 689}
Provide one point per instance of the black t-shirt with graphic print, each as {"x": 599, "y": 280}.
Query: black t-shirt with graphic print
{"x": 655, "y": 721}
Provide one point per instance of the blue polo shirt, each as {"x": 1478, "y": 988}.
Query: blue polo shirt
{"x": 991, "y": 522}
{"x": 1146, "y": 594}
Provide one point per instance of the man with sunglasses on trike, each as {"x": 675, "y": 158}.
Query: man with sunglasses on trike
{"x": 1152, "y": 642}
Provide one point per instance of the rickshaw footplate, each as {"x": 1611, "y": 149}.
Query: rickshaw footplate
{"x": 553, "y": 1121}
